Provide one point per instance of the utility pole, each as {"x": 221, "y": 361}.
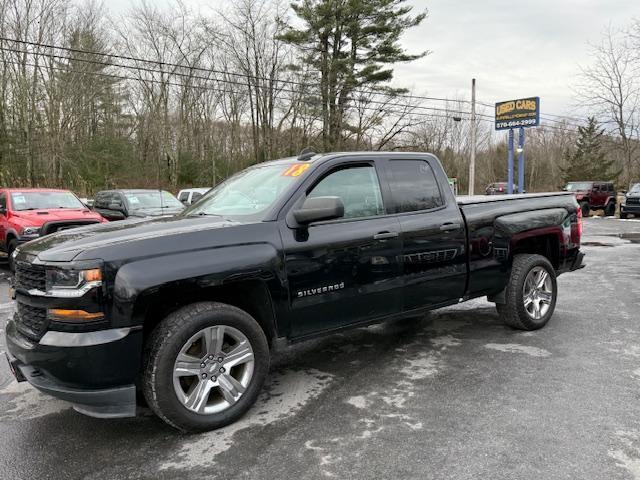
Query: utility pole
{"x": 472, "y": 160}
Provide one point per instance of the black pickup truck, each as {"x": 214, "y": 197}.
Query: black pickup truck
{"x": 185, "y": 309}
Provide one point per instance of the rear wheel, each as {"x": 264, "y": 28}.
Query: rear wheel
{"x": 584, "y": 206}
{"x": 530, "y": 294}
{"x": 610, "y": 209}
{"x": 204, "y": 366}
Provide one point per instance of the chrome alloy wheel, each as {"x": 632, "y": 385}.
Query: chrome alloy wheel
{"x": 537, "y": 292}
{"x": 213, "y": 369}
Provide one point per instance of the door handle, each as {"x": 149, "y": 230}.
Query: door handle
{"x": 447, "y": 227}
{"x": 385, "y": 235}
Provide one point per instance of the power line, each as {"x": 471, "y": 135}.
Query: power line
{"x": 210, "y": 79}
{"x": 221, "y": 90}
{"x": 211, "y": 70}
{"x": 190, "y": 76}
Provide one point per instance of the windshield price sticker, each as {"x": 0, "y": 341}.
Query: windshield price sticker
{"x": 296, "y": 170}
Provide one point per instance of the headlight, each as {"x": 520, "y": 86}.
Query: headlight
{"x": 74, "y": 280}
{"x": 31, "y": 231}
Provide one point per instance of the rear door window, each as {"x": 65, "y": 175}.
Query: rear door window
{"x": 414, "y": 186}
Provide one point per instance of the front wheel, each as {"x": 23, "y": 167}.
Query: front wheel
{"x": 623, "y": 215}
{"x": 584, "y": 206}
{"x": 204, "y": 366}
{"x": 10, "y": 249}
{"x": 530, "y": 294}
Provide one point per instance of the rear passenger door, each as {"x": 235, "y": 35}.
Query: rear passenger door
{"x": 599, "y": 194}
{"x": 433, "y": 235}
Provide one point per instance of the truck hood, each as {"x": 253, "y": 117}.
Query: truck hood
{"x": 154, "y": 212}
{"x": 109, "y": 241}
{"x": 37, "y": 218}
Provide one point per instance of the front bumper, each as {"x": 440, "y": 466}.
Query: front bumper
{"x": 633, "y": 209}
{"x": 97, "y": 376}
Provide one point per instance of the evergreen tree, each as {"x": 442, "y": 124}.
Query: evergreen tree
{"x": 588, "y": 161}
{"x": 352, "y": 44}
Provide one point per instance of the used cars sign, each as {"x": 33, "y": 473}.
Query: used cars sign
{"x": 524, "y": 112}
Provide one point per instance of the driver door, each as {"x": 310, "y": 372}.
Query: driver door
{"x": 347, "y": 270}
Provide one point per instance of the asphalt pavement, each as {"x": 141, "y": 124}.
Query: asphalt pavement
{"x": 454, "y": 395}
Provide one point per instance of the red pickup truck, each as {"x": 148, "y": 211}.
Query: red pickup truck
{"x": 30, "y": 213}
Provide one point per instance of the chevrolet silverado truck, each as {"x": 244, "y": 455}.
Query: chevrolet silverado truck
{"x": 186, "y": 309}
{"x": 29, "y": 213}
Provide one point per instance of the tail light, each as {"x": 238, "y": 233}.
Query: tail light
{"x": 576, "y": 228}
{"x": 501, "y": 189}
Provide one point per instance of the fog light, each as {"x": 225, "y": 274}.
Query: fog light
{"x": 62, "y": 315}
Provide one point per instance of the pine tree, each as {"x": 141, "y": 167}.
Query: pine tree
{"x": 588, "y": 161}
{"x": 352, "y": 43}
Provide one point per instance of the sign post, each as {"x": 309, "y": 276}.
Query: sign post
{"x": 521, "y": 113}
{"x": 521, "y": 161}
{"x": 510, "y": 172}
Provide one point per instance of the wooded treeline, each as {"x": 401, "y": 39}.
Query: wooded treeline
{"x": 169, "y": 97}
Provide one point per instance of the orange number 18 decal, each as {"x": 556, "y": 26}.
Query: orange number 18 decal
{"x": 296, "y": 170}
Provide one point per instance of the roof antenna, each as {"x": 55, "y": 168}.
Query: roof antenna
{"x": 306, "y": 154}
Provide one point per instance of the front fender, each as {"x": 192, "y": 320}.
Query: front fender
{"x": 136, "y": 283}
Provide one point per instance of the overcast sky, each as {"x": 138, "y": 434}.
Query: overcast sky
{"x": 513, "y": 48}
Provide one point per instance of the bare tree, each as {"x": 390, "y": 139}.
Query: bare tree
{"x": 610, "y": 88}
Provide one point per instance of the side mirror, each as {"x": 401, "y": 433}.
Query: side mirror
{"x": 316, "y": 209}
{"x": 3, "y": 211}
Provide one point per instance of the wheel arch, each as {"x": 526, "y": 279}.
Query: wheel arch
{"x": 251, "y": 296}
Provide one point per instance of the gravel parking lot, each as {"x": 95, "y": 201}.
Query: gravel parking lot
{"x": 455, "y": 395}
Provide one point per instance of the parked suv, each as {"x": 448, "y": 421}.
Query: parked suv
{"x": 189, "y": 196}
{"x": 631, "y": 202}
{"x": 29, "y": 213}
{"x": 499, "y": 188}
{"x": 594, "y": 196}
{"x": 121, "y": 204}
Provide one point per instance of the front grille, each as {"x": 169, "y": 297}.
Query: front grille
{"x": 633, "y": 201}
{"x": 31, "y": 321}
{"x": 29, "y": 276}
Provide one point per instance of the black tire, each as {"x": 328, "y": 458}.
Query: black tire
{"x": 161, "y": 351}
{"x": 11, "y": 246}
{"x": 610, "y": 209}
{"x": 584, "y": 206}
{"x": 513, "y": 311}
{"x": 623, "y": 215}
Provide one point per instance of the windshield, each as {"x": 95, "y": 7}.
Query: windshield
{"x": 44, "y": 200}
{"x": 249, "y": 192}
{"x": 635, "y": 188}
{"x": 578, "y": 186}
{"x": 151, "y": 199}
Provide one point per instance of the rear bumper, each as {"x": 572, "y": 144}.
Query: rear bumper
{"x": 96, "y": 377}
{"x": 572, "y": 263}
